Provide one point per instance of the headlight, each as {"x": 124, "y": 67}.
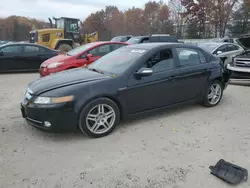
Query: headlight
{"x": 54, "y": 65}
{"x": 53, "y": 100}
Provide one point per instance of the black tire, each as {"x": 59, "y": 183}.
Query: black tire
{"x": 82, "y": 123}
{"x": 206, "y": 101}
{"x": 64, "y": 48}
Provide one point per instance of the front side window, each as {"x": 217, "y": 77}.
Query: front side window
{"x": 101, "y": 50}
{"x": 161, "y": 61}
{"x": 189, "y": 57}
{"x": 116, "y": 46}
{"x": 222, "y": 48}
{"x": 12, "y": 49}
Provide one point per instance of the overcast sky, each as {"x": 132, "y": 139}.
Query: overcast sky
{"x": 42, "y": 9}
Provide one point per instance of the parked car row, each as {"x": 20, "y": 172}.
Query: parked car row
{"x": 127, "y": 81}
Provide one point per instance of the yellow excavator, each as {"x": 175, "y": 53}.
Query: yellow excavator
{"x": 64, "y": 36}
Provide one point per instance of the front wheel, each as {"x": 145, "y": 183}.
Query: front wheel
{"x": 99, "y": 118}
{"x": 213, "y": 94}
{"x": 64, "y": 48}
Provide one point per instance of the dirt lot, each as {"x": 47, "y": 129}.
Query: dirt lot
{"x": 172, "y": 149}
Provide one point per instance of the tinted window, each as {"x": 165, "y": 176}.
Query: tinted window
{"x": 80, "y": 49}
{"x": 118, "y": 61}
{"x": 188, "y": 57}
{"x": 12, "y": 49}
{"x": 145, "y": 40}
{"x": 101, "y": 50}
{"x": 134, "y": 40}
{"x": 223, "y": 49}
{"x": 31, "y": 49}
{"x": 161, "y": 61}
{"x": 116, "y": 46}
{"x": 232, "y": 47}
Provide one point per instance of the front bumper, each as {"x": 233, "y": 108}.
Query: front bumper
{"x": 61, "y": 117}
{"x": 239, "y": 72}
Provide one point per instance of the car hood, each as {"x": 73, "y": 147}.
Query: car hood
{"x": 244, "y": 41}
{"x": 64, "y": 78}
{"x": 58, "y": 58}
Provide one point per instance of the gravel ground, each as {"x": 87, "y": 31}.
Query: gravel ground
{"x": 171, "y": 149}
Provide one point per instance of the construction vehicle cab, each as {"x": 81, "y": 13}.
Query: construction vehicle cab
{"x": 63, "y": 35}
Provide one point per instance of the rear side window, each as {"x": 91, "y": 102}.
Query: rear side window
{"x": 232, "y": 47}
{"x": 190, "y": 57}
{"x": 31, "y": 49}
{"x": 12, "y": 49}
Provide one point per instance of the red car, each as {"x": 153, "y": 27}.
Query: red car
{"x": 78, "y": 57}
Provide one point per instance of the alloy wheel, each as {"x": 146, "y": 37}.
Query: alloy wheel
{"x": 214, "y": 94}
{"x": 100, "y": 118}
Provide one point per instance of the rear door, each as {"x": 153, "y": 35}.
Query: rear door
{"x": 192, "y": 73}
{"x": 11, "y": 58}
{"x": 35, "y": 56}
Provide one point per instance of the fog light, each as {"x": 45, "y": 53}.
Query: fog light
{"x": 47, "y": 124}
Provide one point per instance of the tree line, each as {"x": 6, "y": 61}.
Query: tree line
{"x": 192, "y": 19}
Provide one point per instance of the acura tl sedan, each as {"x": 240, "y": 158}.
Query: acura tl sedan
{"x": 130, "y": 80}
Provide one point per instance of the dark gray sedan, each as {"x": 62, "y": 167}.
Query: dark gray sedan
{"x": 127, "y": 81}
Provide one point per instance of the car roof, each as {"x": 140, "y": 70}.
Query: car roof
{"x": 149, "y": 46}
{"x": 23, "y": 44}
{"x": 107, "y": 42}
{"x": 217, "y": 43}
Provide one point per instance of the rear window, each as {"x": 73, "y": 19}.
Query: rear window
{"x": 163, "y": 39}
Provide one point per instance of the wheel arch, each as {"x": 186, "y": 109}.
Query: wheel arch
{"x": 110, "y": 97}
{"x": 64, "y": 41}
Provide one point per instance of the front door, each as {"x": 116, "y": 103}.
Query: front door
{"x": 156, "y": 90}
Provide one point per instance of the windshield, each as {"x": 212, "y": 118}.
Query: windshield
{"x": 60, "y": 24}
{"x": 117, "y": 39}
{"x": 133, "y": 41}
{"x": 117, "y": 61}
{"x": 208, "y": 47}
{"x": 80, "y": 49}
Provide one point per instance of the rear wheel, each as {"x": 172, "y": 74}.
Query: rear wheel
{"x": 99, "y": 118}
{"x": 213, "y": 94}
{"x": 64, "y": 48}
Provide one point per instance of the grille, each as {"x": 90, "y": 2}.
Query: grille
{"x": 240, "y": 62}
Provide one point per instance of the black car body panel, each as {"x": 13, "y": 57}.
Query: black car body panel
{"x": 131, "y": 94}
{"x": 71, "y": 77}
{"x": 23, "y": 57}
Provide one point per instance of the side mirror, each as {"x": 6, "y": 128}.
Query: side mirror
{"x": 88, "y": 56}
{"x": 219, "y": 52}
{"x": 144, "y": 72}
